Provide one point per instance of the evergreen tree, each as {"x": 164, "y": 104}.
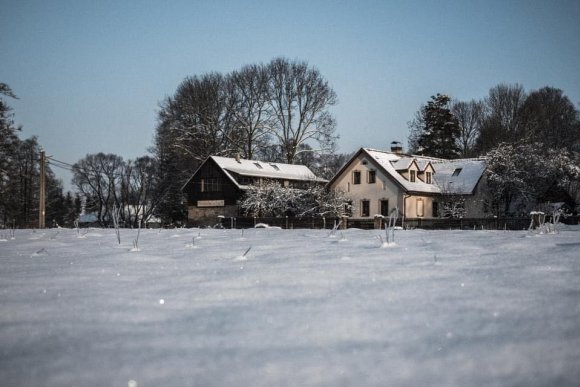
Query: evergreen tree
{"x": 435, "y": 130}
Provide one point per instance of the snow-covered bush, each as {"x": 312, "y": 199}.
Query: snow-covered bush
{"x": 520, "y": 175}
{"x": 547, "y": 218}
{"x": 272, "y": 199}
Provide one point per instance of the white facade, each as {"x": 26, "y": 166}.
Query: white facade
{"x": 380, "y": 181}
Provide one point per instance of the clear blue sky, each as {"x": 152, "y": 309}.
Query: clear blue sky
{"x": 90, "y": 74}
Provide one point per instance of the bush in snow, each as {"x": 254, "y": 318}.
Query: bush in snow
{"x": 520, "y": 175}
{"x": 451, "y": 205}
{"x": 272, "y": 199}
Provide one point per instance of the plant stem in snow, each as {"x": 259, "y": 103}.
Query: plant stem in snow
{"x": 247, "y": 251}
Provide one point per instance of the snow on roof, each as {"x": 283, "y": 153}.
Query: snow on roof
{"x": 422, "y": 164}
{"x": 385, "y": 160}
{"x": 265, "y": 169}
{"x": 402, "y": 164}
{"x": 458, "y": 176}
{"x": 463, "y": 182}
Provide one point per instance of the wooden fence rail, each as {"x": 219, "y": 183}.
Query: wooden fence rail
{"x": 519, "y": 223}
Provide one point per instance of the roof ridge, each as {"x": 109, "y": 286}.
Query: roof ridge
{"x": 428, "y": 158}
{"x": 480, "y": 158}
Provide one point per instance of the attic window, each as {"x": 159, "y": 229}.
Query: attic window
{"x": 275, "y": 167}
{"x": 365, "y": 162}
{"x": 456, "y": 172}
{"x": 258, "y": 165}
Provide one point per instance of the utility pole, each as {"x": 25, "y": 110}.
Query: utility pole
{"x": 42, "y": 194}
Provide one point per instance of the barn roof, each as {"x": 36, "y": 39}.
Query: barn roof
{"x": 264, "y": 169}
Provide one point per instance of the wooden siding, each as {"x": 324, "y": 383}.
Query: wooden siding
{"x": 211, "y": 183}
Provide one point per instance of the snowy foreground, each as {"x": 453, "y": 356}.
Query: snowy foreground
{"x": 301, "y": 308}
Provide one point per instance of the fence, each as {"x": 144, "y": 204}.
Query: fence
{"x": 516, "y": 223}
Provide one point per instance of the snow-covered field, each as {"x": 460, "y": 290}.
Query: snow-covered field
{"x": 301, "y": 308}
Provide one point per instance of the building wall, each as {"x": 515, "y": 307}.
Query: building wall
{"x": 419, "y": 206}
{"x": 210, "y": 183}
{"x": 382, "y": 189}
{"x": 475, "y": 205}
{"x": 210, "y": 194}
{"x": 209, "y": 215}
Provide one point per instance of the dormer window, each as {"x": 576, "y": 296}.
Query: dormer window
{"x": 258, "y": 165}
{"x": 456, "y": 172}
{"x": 428, "y": 177}
{"x": 412, "y": 175}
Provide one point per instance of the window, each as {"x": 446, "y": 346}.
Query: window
{"x": 211, "y": 184}
{"x": 384, "y": 207}
{"x": 356, "y": 177}
{"x": 412, "y": 175}
{"x": 258, "y": 165}
{"x": 428, "y": 177}
{"x": 435, "y": 209}
{"x": 372, "y": 177}
{"x": 275, "y": 167}
{"x": 420, "y": 208}
{"x": 365, "y": 208}
{"x": 457, "y": 172}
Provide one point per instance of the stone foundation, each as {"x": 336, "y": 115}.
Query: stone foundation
{"x": 208, "y": 216}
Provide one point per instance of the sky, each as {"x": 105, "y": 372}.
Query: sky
{"x": 90, "y": 74}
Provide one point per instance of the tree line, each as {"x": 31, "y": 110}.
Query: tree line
{"x": 272, "y": 112}
{"x": 19, "y": 177}
{"x": 278, "y": 112}
{"x": 531, "y": 142}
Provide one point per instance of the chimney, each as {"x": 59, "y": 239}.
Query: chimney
{"x": 396, "y": 147}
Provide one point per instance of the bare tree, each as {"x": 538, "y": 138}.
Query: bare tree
{"x": 193, "y": 124}
{"x": 503, "y": 123}
{"x": 196, "y": 121}
{"x": 470, "y": 116}
{"x": 549, "y": 117}
{"x": 99, "y": 176}
{"x": 140, "y": 181}
{"x": 299, "y": 98}
{"x": 248, "y": 91}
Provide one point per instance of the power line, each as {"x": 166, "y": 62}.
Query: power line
{"x": 60, "y": 162}
{"x": 60, "y": 166}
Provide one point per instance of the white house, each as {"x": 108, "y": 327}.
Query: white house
{"x": 378, "y": 181}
